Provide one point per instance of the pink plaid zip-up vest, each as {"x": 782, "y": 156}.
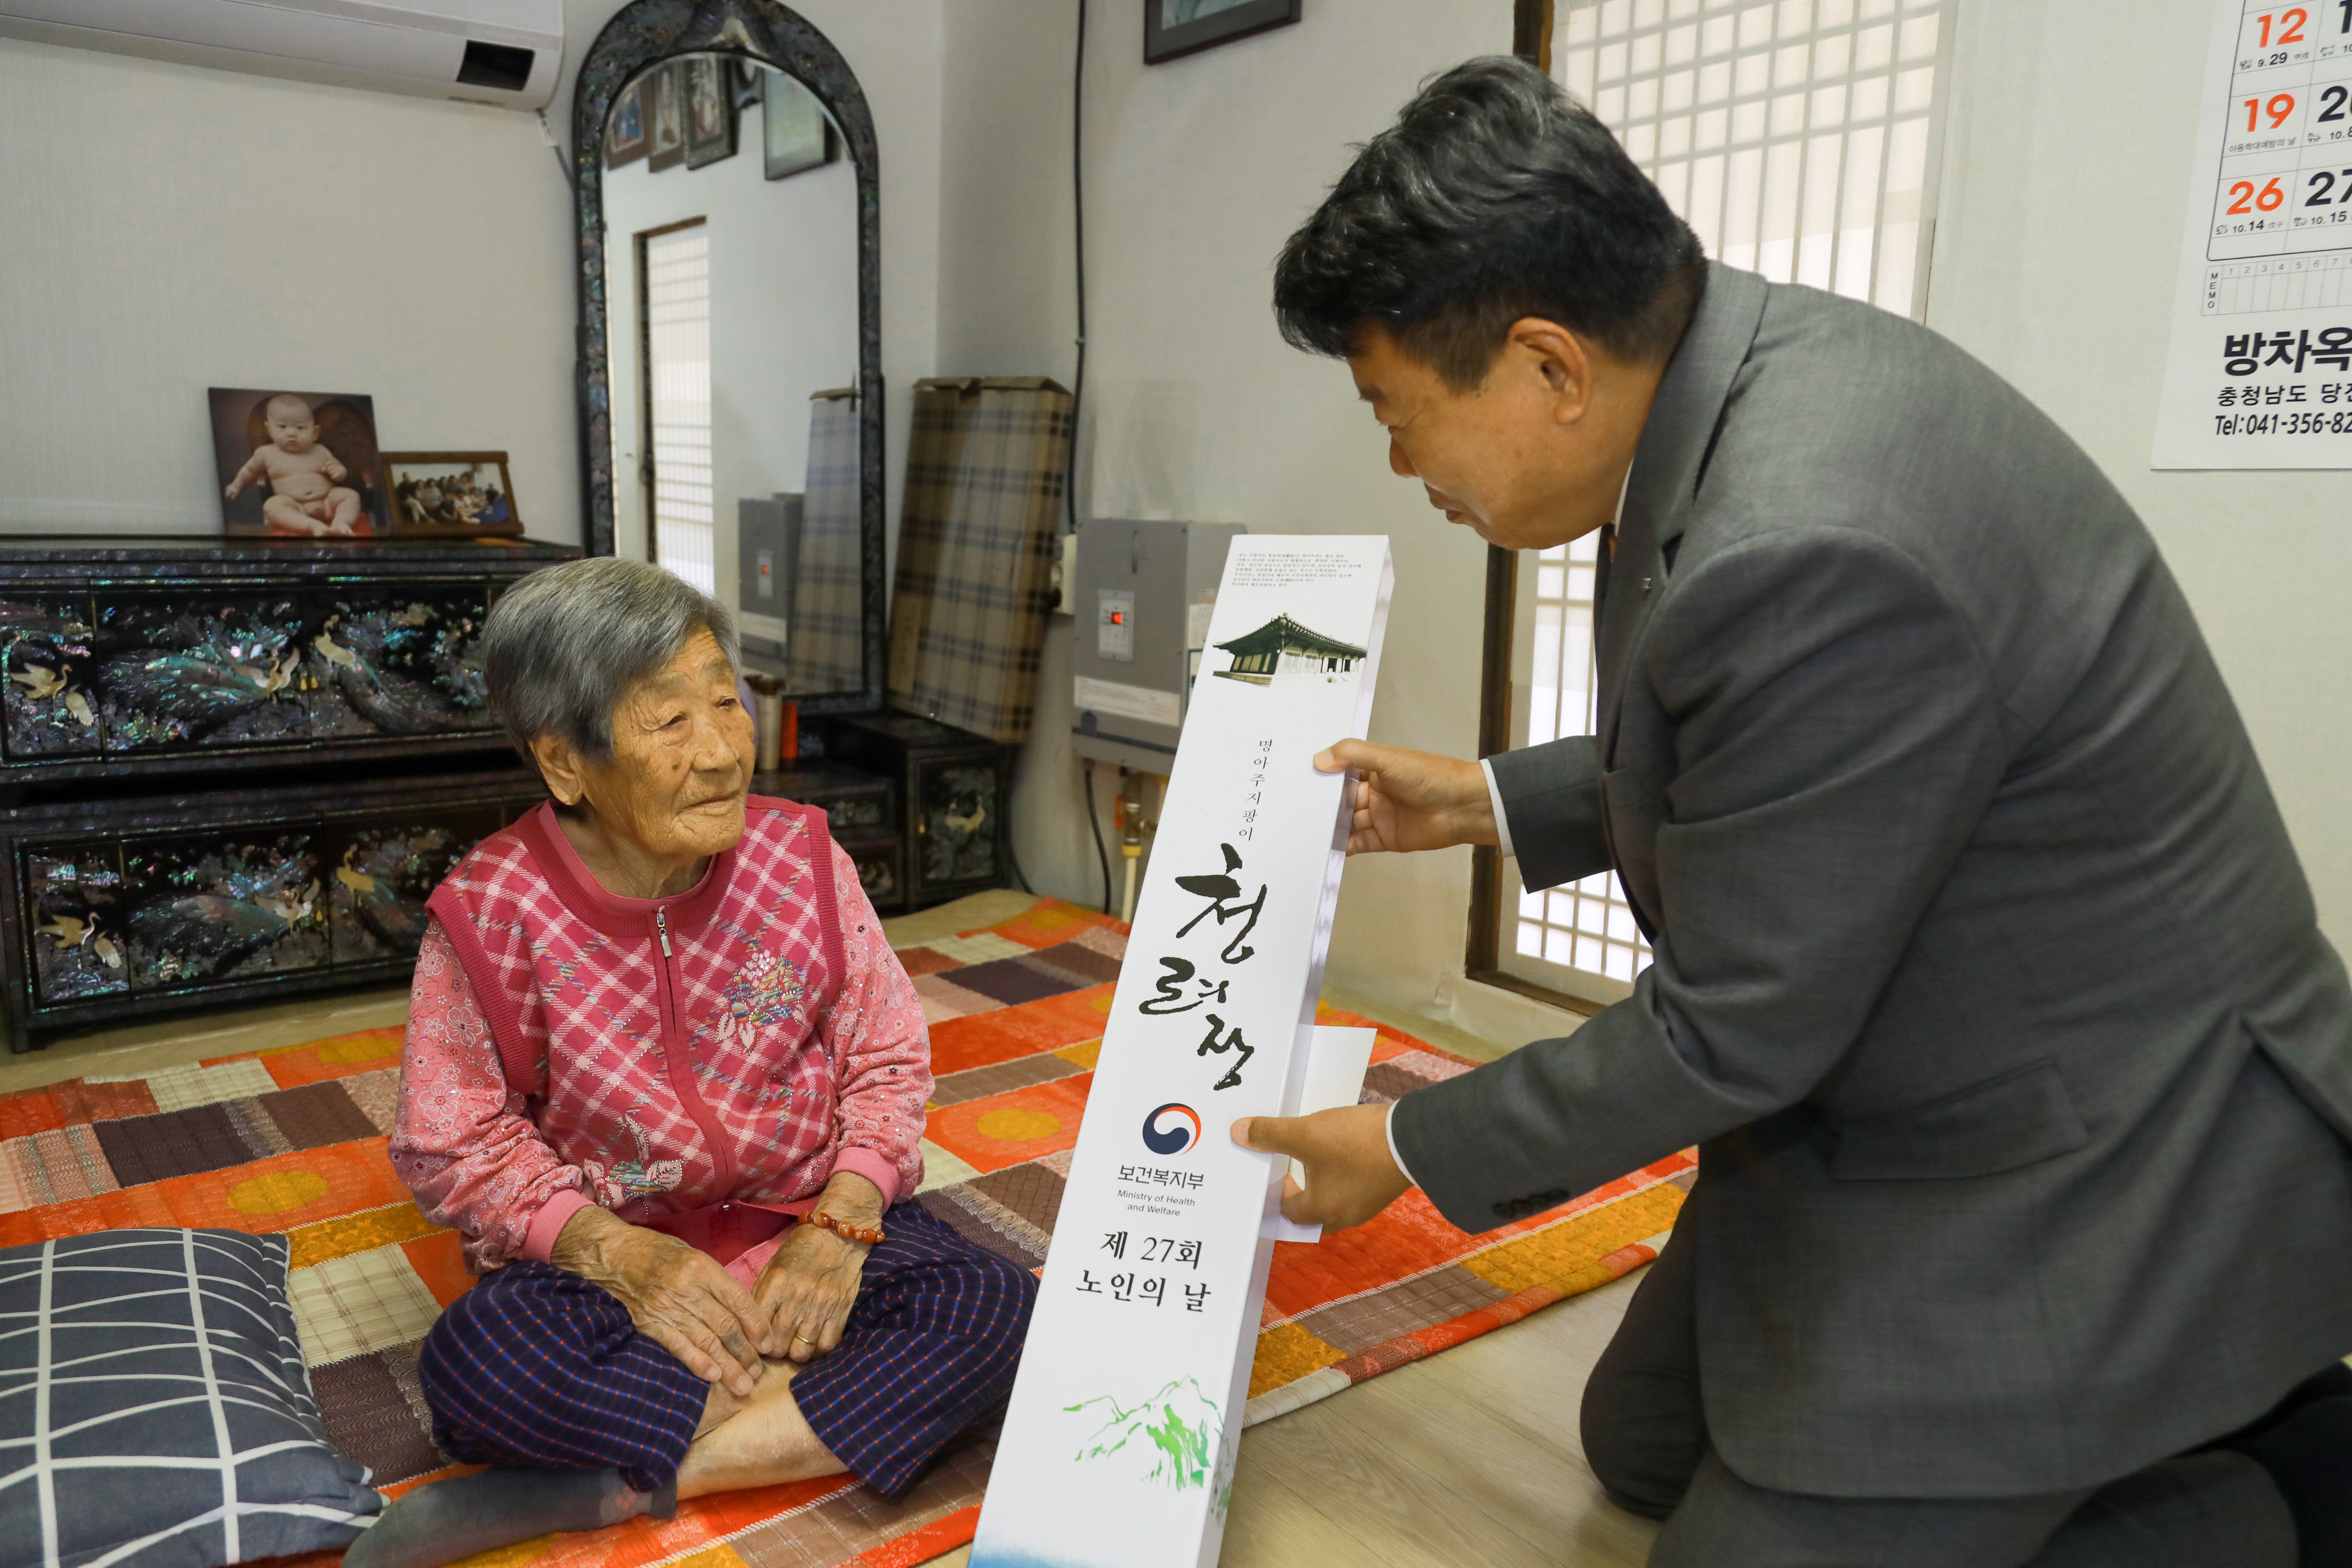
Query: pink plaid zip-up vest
{"x": 691, "y": 1058}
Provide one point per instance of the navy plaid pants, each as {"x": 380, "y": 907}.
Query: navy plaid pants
{"x": 538, "y": 1368}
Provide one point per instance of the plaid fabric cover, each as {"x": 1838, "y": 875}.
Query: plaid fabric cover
{"x": 930, "y": 1346}
{"x": 535, "y": 1366}
{"x": 695, "y": 1064}
{"x": 986, "y": 463}
{"x": 826, "y": 652}
{"x": 153, "y": 1409}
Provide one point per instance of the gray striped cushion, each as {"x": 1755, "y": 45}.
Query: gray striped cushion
{"x": 154, "y": 1412}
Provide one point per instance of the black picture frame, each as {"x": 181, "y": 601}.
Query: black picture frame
{"x": 665, "y": 110}
{"x": 624, "y": 134}
{"x": 1174, "y": 28}
{"x": 795, "y": 133}
{"x": 709, "y": 100}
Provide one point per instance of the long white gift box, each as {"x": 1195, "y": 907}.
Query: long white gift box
{"x": 1118, "y": 1447}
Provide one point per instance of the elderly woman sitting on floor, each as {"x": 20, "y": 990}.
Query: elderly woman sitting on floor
{"x": 666, "y": 1077}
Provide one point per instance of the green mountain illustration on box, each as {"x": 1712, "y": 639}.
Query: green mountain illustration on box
{"x": 1174, "y": 1433}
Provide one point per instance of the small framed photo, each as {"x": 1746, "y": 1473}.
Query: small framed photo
{"x": 664, "y": 92}
{"x": 297, "y": 465}
{"x": 625, "y": 128}
{"x": 710, "y": 110}
{"x": 449, "y": 492}
{"x": 1173, "y": 28}
{"x": 796, "y": 134}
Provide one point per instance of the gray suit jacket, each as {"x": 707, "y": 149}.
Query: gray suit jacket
{"x": 1986, "y": 976}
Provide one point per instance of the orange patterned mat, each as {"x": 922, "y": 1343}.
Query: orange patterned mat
{"x": 293, "y": 1141}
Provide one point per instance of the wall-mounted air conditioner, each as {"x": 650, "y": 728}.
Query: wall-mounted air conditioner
{"x": 504, "y": 52}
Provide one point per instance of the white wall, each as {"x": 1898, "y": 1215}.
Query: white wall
{"x": 1197, "y": 171}
{"x": 783, "y": 322}
{"x": 169, "y": 229}
{"x": 2056, "y": 259}
{"x": 894, "y": 46}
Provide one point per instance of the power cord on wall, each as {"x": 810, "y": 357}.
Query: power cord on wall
{"x": 1094, "y": 821}
{"x": 1078, "y": 249}
{"x": 547, "y": 135}
{"x": 1078, "y": 376}
{"x": 1077, "y": 390}
{"x": 1011, "y": 778}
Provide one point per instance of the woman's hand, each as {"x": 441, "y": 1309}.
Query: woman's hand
{"x": 677, "y": 1296}
{"x": 1411, "y": 800}
{"x": 808, "y": 1287}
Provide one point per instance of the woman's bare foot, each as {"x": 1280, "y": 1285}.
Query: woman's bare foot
{"x": 761, "y": 1440}
{"x": 447, "y": 1519}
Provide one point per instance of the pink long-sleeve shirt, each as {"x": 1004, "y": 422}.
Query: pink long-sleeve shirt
{"x": 675, "y": 1060}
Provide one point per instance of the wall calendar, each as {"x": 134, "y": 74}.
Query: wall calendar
{"x": 2258, "y": 374}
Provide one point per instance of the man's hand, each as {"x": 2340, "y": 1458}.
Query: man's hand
{"x": 1350, "y": 1176}
{"x": 1412, "y": 799}
{"x": 676, "y": 1295}
{"x": 809, "y": 1286}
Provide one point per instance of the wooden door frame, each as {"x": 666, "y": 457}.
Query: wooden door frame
{"x": 1531, "y": 27}
{"x": 1530, "y": 40}
{"x": 645, "y": 377}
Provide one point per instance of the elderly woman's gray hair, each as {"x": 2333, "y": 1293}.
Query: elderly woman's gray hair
{"x": 564, "y": 643}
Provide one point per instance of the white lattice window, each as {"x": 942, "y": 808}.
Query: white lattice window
{"x": 1796, "y": 136}
{"x": 1799, "y": 138}
{"x": 677, "y": 271}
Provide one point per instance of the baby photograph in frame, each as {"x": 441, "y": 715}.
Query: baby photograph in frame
{"x": 449, "y": 492}
{"x": 297, "y": 465}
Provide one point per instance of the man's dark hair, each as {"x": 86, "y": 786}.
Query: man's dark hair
{"x": 1495, "y": 196}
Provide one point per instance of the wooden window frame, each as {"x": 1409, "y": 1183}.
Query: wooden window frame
{"x": 1531, "y": 25}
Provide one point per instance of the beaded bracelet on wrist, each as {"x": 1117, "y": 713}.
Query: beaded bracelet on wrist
{"x": 870, "y": 1235}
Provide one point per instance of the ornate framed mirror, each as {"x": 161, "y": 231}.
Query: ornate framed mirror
{"x": 730, "y": 383}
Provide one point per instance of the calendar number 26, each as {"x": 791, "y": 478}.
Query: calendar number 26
{"x": 2245, "y": 198}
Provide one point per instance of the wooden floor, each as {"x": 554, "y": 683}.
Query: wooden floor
{"x": 1470, "y": 1458}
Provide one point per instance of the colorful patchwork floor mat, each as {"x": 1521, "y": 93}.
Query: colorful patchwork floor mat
{"x": 293, "y": 1141}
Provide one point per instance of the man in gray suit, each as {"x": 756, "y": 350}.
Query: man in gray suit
{"x": 1985, "y": 976}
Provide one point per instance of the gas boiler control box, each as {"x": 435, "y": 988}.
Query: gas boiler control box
{"x": 1142, "y": 599}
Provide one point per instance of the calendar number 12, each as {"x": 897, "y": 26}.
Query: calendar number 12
{"x": 2287, "y": 26}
